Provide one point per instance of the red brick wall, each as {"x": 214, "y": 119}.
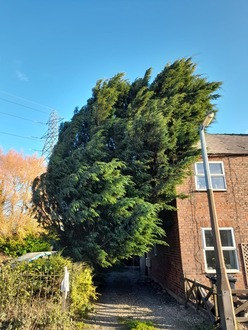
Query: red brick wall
{"x": 184, "y": 256}
{"x": 232, "y": 211}
{"x": 166, "y": 266}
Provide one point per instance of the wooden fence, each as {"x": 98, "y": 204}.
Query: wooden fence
{"x": 240, "y": 301}
{"x": 204, "y": 297}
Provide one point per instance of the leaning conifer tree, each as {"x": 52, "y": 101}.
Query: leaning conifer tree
{"x": 115, "y": 167}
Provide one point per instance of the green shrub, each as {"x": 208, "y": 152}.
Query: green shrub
{"x": 45, "y": 317}
{"x": 52, "y": 265}
{"x": 30, "y": 296}
{"x": 16, "y": 246}
{"x": 82, "y": 289}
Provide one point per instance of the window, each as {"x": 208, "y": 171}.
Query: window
{"x": 217, "y": 176}
{"x": 228, "y": 248}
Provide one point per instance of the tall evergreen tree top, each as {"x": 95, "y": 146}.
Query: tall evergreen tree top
{"x": 129, "y": 146}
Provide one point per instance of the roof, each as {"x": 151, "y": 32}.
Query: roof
{"x": 227, "y": 144}
{"x": 35, "y": 255}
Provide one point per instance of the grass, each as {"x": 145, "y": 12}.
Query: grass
{"x": 131, "y": 324}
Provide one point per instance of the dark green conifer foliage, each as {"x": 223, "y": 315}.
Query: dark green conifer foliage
{"x": 117, "y": 162}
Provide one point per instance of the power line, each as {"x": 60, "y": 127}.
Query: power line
{"x": 21, "y": 136}
{"x": 27, "y": 100}
{"x": 52, "y": 134}
{"x": 19, "y": 117}
{"x": 22, "y": 105}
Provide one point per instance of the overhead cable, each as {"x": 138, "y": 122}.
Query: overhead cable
{"x": 26, "y": 100}
{"x": 22, "y": 105}
{"x": 21, "y": 136}
{"x": 33, "y": 121}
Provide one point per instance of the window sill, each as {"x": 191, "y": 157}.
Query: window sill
{"x": 204, "y": 190}
{"x": 228, "y": 271}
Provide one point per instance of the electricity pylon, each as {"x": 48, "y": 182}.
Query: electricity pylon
{"x": 52, "y": 135}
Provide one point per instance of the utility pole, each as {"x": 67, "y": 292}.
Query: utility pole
{"x": 224, "y": 293}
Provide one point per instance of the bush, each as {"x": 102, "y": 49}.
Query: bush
{"x": 82, "y": 290}
{"x": 16, "y": 246}
{"x": 30, "y": 296}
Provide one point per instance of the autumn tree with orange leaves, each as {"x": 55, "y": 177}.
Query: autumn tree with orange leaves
{"x": 17, "y": 173}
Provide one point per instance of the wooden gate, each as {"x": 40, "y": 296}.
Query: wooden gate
{"x": 202, "y": 296}
{"x": 240, "y": 301}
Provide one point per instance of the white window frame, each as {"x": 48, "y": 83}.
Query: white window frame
{"x": 202, "y": 175}
{"x": 224, "y": 248}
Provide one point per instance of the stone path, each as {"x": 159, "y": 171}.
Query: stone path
{"x": 125, "y": 295}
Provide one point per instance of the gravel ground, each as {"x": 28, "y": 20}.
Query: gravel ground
{"x": 125, "y": 295}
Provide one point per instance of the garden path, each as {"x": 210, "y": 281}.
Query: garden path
{"x": 125, "y": 295}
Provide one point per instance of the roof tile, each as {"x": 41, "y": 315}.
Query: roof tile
{"x": 227, "y": 144}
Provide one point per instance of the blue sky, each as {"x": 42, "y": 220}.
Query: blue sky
{"x": 52, "y": 52}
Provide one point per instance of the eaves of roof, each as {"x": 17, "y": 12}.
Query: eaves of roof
{"x": 227, "y": 144}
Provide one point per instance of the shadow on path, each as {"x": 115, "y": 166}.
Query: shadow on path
{"x": 125, "y": 294}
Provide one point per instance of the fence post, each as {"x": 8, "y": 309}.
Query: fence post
{"x": 185, "y": 291}
{"x": 216, "y": 308}
{"x": 65, "y": 288}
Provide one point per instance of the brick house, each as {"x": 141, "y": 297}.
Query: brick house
{"x": 190, "y": 251}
